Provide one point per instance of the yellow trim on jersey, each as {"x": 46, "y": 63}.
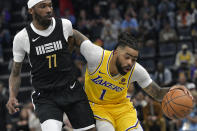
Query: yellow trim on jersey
{"x": 91, "y": 73}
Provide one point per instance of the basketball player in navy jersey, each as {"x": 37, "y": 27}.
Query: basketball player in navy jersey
{"x": 46, "y": 41}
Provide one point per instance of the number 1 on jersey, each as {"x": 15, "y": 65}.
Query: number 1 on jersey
{"x": 102, "y": 94}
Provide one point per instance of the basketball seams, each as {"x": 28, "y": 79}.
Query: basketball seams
{"x": 177, "y": 114}
{"x": 167, "y": 107}
{"x": 167, "y": 100}
{"x": 177, "y": 97}
{"x": 181, "y": 104}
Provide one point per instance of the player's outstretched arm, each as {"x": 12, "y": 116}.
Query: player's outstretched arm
{"x": 156, "y": 91}
{"x": 14, "y": 84}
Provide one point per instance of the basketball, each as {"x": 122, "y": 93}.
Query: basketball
{"x": 176, "y": 104}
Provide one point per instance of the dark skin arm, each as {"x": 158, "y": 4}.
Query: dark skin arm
{"x": 76, "y": 39}
{"x": 158, "y": 92}
{"x": 14, "y": 84}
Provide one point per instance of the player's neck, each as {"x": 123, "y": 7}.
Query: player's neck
{"x": 112, "y": 67}
{"x": 38, "y": 26}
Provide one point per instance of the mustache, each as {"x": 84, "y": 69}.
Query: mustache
{"x": 49, "y": 15}
{"x": 127, "y": 67}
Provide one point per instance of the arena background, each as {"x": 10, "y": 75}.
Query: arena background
{"x": 166, "y": 31}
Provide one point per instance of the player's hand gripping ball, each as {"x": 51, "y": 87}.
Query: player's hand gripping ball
{"x": 177, "y": 103}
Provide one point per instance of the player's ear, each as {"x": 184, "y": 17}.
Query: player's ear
{"x": 115, "y": 51}
{"x": 118, "y": 49}
{"x": 30, "y": 11}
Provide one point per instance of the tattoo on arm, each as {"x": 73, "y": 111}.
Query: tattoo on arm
{"x": 78, "y": 37}
{"x": 156, "y": 91}
{"x": 14, "y": 79}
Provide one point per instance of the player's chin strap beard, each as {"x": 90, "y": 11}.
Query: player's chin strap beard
{"x": 42, "y": 22}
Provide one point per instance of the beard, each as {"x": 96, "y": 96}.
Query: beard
{"x": 43, "y": 21}
{"x": 119, "y": 67}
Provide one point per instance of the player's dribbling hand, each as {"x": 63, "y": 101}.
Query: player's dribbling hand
{"x": 12, "y": 105}
{"x": 181, "y": 87}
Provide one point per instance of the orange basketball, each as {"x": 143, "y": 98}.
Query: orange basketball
{"x": 177, "y": 104}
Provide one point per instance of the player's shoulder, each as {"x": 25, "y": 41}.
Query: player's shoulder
{"x": 139, "y": 68}
{"x": 66, "y": 22}
{"x": 21, "y": 34}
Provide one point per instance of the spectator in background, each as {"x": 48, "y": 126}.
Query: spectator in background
{"x": 109, "y": 35}
{"x": 194, "y": 29}
{"x": 153, "y": 119}
{"x": 69, "y": 16}
{"x": 5, "y": 123}
{"x": 167, "y": 33}
{"x": 65, "y": 4}
{"x": 146, "y": 8}
{"x": 165, "y": 6}
{"x": 129, "y": 24}
{"x": 166, "y": 12}
{"x": 194, "y": 17}
{"x": 5, "y": 37}
{"x": 96, "y": 23}
{"x": 183, "y": 80}
{"x": 83, "y": 23}
{"x": 184, "y": 18}
{"x": 195, "y": 78}
{"x": 162, "y": 76}
{"x": 114, "y": 12}
{"x": 194, "y": 68}
{"x": 149, "y": 25}
{"x": 3, "y": 90}
{"x": 184, "y": 58}
{"x": 184, "y": 22}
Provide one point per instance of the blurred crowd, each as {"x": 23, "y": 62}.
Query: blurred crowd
{"x": 157, "y": 24}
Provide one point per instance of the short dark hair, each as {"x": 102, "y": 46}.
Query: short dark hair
{"x": 127, "y": 39}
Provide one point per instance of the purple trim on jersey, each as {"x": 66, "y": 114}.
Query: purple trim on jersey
{"x": 133, "y": 126}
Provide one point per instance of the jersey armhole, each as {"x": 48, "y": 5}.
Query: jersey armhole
{"x": 91, "y": 73}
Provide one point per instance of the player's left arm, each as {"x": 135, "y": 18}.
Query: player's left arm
{"x": 150, "y": 87}
{"x": 154, "y": 90}
{"x": 158, "y": 92}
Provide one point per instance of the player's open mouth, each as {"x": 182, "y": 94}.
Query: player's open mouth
{"x": 127, "y": 69}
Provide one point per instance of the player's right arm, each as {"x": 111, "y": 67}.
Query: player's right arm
{"x": 14, "y": 84}
{"x": 20, "y": 47}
